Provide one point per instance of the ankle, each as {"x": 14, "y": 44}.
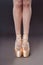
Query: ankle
{"x": 25, "y": 37}
{"x": 18, "y": 37}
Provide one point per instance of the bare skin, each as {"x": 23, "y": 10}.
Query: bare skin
{"x": 17, "y": 15}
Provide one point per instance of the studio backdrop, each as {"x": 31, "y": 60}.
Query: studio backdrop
{"x": 6, "y": 18}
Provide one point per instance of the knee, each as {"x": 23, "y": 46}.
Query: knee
{"x": 26, "y": 3}
{"x": 17, "y": 3}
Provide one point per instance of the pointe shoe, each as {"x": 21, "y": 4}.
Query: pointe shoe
{"x": 25, "y": 47}
{"x": 18, "y": 47}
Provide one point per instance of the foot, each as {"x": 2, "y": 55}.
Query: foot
{"x": 25, "y": 46}
{"x": 18, "y": 46}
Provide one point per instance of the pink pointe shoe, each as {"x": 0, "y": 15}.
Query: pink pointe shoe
{"x": 25, "y": 46}
{"x": 18, "y": 46}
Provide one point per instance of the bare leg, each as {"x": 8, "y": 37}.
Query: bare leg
{"x": 17, "y": 15}
{"x": 26, "y": 24}
{"x": 26, "y": 16}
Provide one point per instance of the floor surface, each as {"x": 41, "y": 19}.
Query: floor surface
{"x": 7, "y": 55}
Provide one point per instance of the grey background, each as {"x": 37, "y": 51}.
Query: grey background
{"x": 6, "y": 18}
{"x": 7, "y": 35}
